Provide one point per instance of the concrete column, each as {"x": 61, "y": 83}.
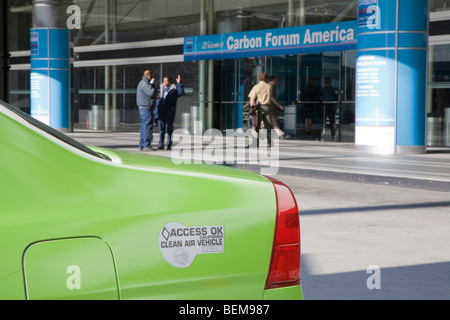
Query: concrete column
{"x": 50, "y": 13}
{"x": 391, "y": 78}
{"x": 202, "y": 70}
{"x": 302, "y": 13}
{"x": 291, "y": 13}
{"x": 114, "y": 13}
{"x": 4, "y": 51}
{"x": 211, "y": 22}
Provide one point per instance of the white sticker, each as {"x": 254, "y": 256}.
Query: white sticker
{"x": 179, "y": 244}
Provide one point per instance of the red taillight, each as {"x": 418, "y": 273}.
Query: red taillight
{"x": 285, "y": 262}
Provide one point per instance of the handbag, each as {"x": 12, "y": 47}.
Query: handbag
{"x": 251, "y": 110}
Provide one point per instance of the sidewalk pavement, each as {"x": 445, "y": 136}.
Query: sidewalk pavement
{"x": 316, "y": 159}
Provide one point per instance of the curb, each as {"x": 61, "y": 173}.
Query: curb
{"x": 426, "y": 184}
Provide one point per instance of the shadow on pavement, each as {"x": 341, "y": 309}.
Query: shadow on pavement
{"x": 416, "y": 282}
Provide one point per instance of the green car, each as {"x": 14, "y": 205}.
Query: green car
{"x": 90, "y": 223}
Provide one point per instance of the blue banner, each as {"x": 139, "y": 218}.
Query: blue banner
{"x": 304, "y": 39}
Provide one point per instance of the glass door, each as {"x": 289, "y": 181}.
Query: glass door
{"x": 319, "y": 88}
{"x": 318, "y": 95}
{"x": 237, "y": 79}
{"x": 325, "y": 96}
{"x": 347, "y": 96}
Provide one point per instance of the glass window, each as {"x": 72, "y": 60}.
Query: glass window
{"x": 238, "y": 15}
{"x": 112, "y": 21}
{"x": 19, "y": 25}
{"x": 438, "y": 108}
{"x": 439, "y": 69}
{"x": 19, "y": 89}
{"x": 439, "y": 5}
{"x": 113, "y": 89}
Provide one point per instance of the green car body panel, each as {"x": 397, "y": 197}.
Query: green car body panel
{"x": 77, "y": 226}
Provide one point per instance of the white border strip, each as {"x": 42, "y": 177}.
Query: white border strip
{"x": 18, "y": 67}
{"x": 130, "y": 45}
{"x": 116, "y": 62}
{"x": 439, "y": 16}
{"x": 113, "y": 47}
{"x": 437, "y": 40}
{"x": 128, "y": 61}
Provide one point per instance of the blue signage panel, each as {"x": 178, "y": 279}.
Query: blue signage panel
{"x": 39, "y": 77}
{"x": 374, "y": 83}
{"x": 305, "y": 39}
{"x": 50, "y": 76}
{"x": 39, "y": 91}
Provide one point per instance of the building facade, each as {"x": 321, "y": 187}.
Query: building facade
{"x": 114, "y": 41}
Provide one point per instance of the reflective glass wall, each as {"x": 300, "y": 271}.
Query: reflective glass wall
{"x": 133, "y": 22}
{"x": 300, "y": 87}
{"x": 439, "y": 5}
{"x": 107, "y": 21}
{"x": 112, "y": 85}
{"x": 18, "y": 41}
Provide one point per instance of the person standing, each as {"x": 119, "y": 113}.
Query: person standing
{"x": 308, "y": 109}
{"x": 169, "y": 94}
{"x": 262, "y": 92}
{"x": 146, "y": 101}
{"x": 328, "y": 94}
{"x": 273, "y": 110}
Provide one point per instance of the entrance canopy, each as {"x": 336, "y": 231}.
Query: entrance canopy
{"x": 283, "y": 41}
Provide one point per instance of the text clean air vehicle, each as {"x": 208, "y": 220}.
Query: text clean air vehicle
{"x": 82, "y": 223}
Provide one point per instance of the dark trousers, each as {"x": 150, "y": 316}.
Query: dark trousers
{"x": 146, "y": 131}
{"x": 264, "y": 115}
{"x": 165, "y": 126}
{"x": 330, "y": 112}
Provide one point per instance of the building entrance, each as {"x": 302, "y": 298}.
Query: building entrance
{"x": 317, "y": 91}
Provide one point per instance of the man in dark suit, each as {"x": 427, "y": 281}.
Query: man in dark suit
{"x": 169, "y": 94}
